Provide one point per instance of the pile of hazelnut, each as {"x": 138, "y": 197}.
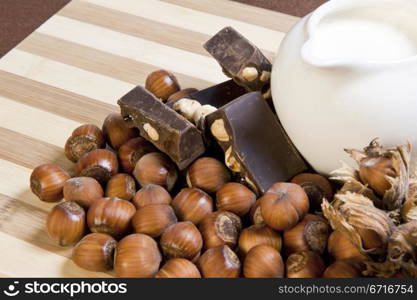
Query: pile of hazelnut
{"x": 127, "y": 208}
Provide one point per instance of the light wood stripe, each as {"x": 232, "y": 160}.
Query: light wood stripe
{"x": 137, "y": 26}
{"x": 116, "y": 43}
{"x": 15, "y": 184}
{"x": 209, "y": 24}
{"x": 36, "y": 123}
{"x": 245, "y": 13}
{"x": 97, "y": 61}
{"x": 22, "y": 259}
{"x": 27, "y": 223}
{"x": 29, "y": 152}
{"x": 54, "y": 100}
{"x": 60, "y": 75}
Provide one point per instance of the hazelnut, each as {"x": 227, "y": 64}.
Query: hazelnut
{"x": 95, "y": 252}
{"x": 208, "y": 174}
{"x": 181, "y": 239}
{"x": 219, "y": 262}
{"x": 231, "y": 161}
{"x": 181, "y": 94}
{"x": 131, "y": 151}
{"x": 263, "y": 261}
{"x": 153, "y": 219}
{"x": 47, "y": 182}
{"x": 137, "y": 255}
{"x": 340, "y": 247}
{"x": 250, "y": 73}
{"x": 156, "y": 168}
{"x": 151, "y": 132}
{"x": 284, "y": 205}
{"x": 235, "y": 197}
{"x": 122, "y": 186}
{"x": 151, "y": 194}
{"x": 83, "y": 190}
{"x": 162, "y": 84}
{"x": 258, "y": 235}
{"x": 83, "y": 140}
{"x": 201, "y": 112}
{"x": 344, "y": 269}
{"x": 192, "y": 204}
{"x": 265, "y": 76}
{"x": 310, "y": 234}
{"x": 316, "y": 187}
{"x": 220, "y": 228}
{"x": 305, "y": 264}
{"x": 178, "y": 268}
{"x": 111, "y": 216}
{"x": 101, "y": 164}
{"x": 186, "y": 107}
{"x": 66, "y": 223}
{"x": 218, "y": 130}
{"x": 116, "y": 131}
{"x": 255, "y": 214}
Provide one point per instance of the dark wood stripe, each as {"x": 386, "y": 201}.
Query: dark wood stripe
{"x": 28, "y": 152}
{"x": 55, "y": 100}
{"x": 97, "y": 61}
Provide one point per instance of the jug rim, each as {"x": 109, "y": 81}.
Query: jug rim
{"x": 333, "y": 5}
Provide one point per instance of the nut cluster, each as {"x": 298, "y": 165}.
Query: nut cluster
{"x": 128, "y": 209}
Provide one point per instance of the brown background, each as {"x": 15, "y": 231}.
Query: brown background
{"x": 18, "y": 18}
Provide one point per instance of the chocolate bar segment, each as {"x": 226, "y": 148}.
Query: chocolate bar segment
{"x": 166, "y": 129}
{"x": 241, "y": 60}
{"x": 255, "y": 144}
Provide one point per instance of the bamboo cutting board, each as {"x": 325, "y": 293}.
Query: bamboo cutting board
{"x": 72, "y": 70}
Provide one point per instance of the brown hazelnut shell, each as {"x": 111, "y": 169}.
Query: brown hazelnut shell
{"x": 156, "y": 168}
{"x": 101, "y": 164}
{"x": 153, "y": 219}
{"x": 219, "y": 262}
{"x": 263, "y": 261}
{"x": 111, "y": 216}
{"x": 192, "y": 204}
{"x": 84, "y": 139}
{"x": 131, "y": 151}
{"x": 311, "y": 233}
{"x": 137, "y": 255}
{"x": 344, "y": 269}
{"x": 316, "y": 187}
{"x": 83, "y": 190}
{"x": 95, "y": 252}
{"x": 162, "y": 84}
{"x": 284, "y": 205}
{"x": 116, "y": 131}
{"x": 220, "y": 228}
{"x": 181, "y": 239}
{"x": 235, "y": 197}
{"x": 122, "y": 186}
{"x": 304, "y": 264}
{"x": 208, "y": 174}
{"x": 47, "y": 182}
{"x": 340, "y": 247}
{"x": 178, "y": 268}
{"x": 255, "y": 235}
{"x": 255, "y": 214}
{"x": 151, "y": 194}
{"x": 65, "y": 223}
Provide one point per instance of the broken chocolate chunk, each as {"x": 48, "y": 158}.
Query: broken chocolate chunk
{"x": 241, "y": 60}
{"x": 166, "y": 129}
{"x": 254, "y": 142}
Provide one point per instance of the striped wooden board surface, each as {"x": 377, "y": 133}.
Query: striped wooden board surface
{"x": 72, "y": 70}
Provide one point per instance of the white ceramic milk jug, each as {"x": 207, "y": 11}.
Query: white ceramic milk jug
{"x": 346, "y": 74}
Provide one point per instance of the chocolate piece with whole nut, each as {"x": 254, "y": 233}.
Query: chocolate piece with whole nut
{"x": 254, "y": 142}
{"x": 166, "y": 129}
{"x": 241, "y": 60}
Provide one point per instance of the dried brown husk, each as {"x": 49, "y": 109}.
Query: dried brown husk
{"x": 384, "y": 269}
{"x": 402, "y": 247}
{"x": 392, "y": 164}
{"x": 355, "y": 214}
{"x": 409, "y": 208}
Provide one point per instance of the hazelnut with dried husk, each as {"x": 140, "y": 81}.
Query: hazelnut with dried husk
{"x": 385, "y": 171}
{"x": 409, "y": 208}
{"x": 368, "y": 227}
{"x": 402, "y": 247}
